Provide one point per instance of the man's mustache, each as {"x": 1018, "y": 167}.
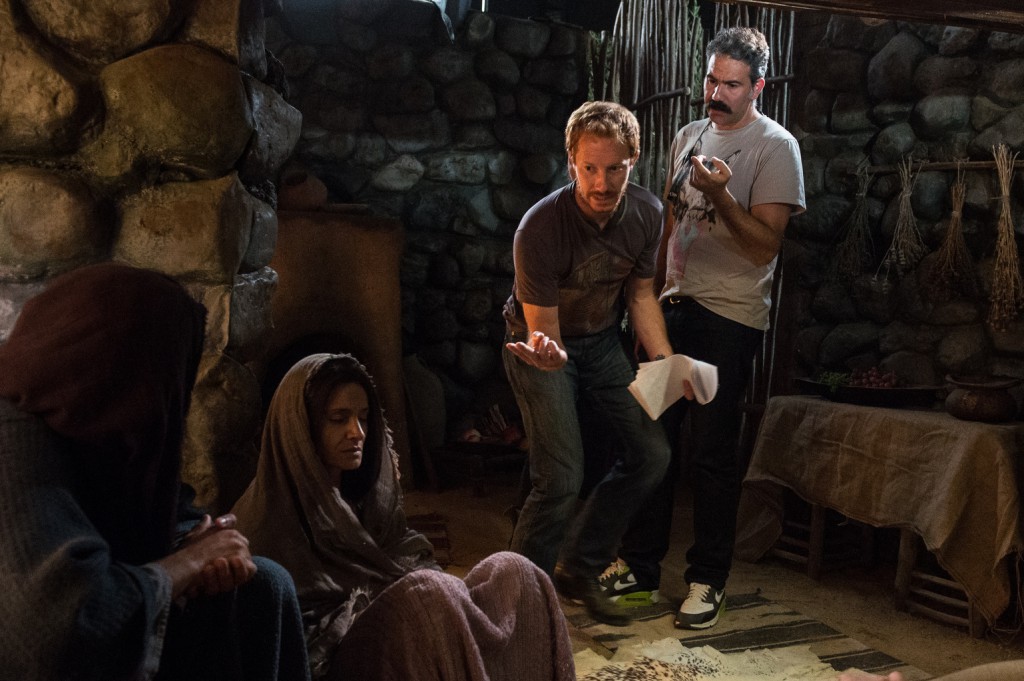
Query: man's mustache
{"x": 719, "y": 106}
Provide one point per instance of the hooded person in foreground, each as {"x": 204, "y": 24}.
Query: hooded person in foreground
{"x": 99, "y": 579}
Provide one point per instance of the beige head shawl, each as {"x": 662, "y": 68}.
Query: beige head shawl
{"x": 292, "y": 514}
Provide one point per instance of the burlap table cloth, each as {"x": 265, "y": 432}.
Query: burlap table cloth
{"x": 952, "y": 482}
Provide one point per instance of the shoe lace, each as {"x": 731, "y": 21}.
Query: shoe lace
{"x": 618, "y": 567}
{"x": 698, "y": 591}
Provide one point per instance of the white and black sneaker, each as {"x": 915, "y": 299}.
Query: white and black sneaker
{"x": 619, "y": 583}
{"x": 618, "y": 579}
{"x": 588, "y": 592}
{"x": 701, "y": 608}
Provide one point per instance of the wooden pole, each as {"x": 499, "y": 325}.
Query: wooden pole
{"x": 940, "y": 165}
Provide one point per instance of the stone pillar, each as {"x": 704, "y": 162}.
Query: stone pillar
{"x": 149, "y": 132}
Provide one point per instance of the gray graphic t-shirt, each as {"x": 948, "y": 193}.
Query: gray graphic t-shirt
{"x": 703, "y": 259}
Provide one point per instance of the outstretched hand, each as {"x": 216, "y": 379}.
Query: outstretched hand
{"x": 540, "y": 351}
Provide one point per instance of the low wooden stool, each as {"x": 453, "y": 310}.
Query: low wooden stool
{"x": 814, "y": 541}
{"x": 934, "y": 596}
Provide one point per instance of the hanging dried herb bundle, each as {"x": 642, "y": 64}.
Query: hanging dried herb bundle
{"x": 906, "y": 248}
{"x": 856, "y": 250}
{"x": 954, "y": 269}
{"x": 1007, "y": 288}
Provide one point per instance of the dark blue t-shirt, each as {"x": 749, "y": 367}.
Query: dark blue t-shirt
{"x": 563, "y": 259}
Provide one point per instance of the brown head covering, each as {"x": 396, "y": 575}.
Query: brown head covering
{"x": 107, "y": 356}
{"x": 334, "y": 546}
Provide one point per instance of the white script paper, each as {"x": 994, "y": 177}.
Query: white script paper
{"x": 659, "y": 384}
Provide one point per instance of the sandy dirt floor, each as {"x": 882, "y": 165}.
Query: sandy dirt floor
{"x": 856, "y": 600}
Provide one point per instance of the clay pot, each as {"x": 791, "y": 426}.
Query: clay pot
{"x": 980, "y": 398}
{"x": 301, "y": 190}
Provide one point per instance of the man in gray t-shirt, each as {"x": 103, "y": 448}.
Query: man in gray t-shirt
{"x": 583, "y": 255}
{"x": 735, "y": 180}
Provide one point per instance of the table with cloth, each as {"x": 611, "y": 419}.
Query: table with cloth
{"x": 952, "y": 482}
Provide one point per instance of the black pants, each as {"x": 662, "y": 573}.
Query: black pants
{"x": 712, "y": 459}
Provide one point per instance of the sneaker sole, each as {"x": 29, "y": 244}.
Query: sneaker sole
{"x": 637, "y": 599}
{"x": 700, "y": 625}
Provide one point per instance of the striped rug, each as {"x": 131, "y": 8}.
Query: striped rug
{"x": 750, "y": 622}
{"x": 434, "y": 527}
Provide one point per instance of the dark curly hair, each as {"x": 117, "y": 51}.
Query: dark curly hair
{"x": 747, "y": 45}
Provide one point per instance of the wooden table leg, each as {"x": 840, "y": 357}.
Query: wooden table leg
{"x": 976, "y": 624}
{"x": 816, "y": 541}
{"x": 910, "y": 547}
{"x": 867, "y": 546}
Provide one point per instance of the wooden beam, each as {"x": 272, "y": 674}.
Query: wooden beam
{"x": 995, "y": 15}
{"x": 647, "y": 101}
{"x": 918, "y": 166}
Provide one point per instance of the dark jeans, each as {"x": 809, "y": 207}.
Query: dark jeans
{"x": 713, "y": 460}
{"x": 598, "y": 372}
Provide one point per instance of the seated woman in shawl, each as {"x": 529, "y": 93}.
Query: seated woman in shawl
{"x": 95, "y": 381}
{"x": 327, "y": 505}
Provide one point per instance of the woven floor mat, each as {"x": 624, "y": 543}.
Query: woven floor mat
{"x": 750, "y": 622}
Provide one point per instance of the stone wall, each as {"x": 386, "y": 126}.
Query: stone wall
{"x": 151, "y": 133}
{"x": 457, "y": 138}
{"x": 877, "y": 92}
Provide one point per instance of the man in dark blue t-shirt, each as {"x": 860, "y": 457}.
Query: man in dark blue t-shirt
{"x": 583, "y": 256}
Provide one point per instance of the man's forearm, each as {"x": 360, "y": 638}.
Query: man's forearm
{"x": 760, "y": 243}
{"x": 649, "y": 325}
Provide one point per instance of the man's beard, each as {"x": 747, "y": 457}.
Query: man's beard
{"x": 605, "y": 198}
{"x": 595, "y": 196}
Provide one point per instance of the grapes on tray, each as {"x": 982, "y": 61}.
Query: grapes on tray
{"x": 873, "y": 377}
{"x": 834, "y": 379}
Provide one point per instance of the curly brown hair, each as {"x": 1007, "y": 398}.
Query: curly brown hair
{"x": 604, "y": 119}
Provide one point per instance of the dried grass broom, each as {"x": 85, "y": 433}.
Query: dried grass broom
{"x": 1007, "y": 295}
{"x": 856, "y": 250}
{"x": 954, "y": 269}
{"x": 906, "y": 248}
